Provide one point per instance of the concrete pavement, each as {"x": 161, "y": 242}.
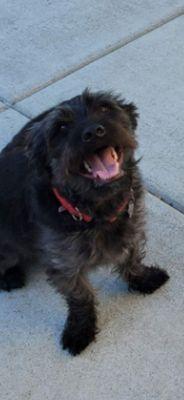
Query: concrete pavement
{"x": 49, "y": 52}
{"x": 42, "y": 41}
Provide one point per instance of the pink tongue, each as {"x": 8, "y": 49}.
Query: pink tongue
{"x": 104, "y": 164}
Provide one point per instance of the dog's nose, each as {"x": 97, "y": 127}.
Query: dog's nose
{"x": 100, "y": 131}
{"x": 91, "y": 132}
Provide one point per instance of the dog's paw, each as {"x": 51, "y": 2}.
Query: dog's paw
{"x": 149, "y": 281}
{"x": 76, "y": 339}
{"x": 12, "y": 279}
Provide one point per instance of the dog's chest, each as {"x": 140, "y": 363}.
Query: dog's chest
{"x": 82, "y": 249}
{"x": 107, "y": 247}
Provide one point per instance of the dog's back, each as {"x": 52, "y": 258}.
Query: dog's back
{"x": 15, "y": 218}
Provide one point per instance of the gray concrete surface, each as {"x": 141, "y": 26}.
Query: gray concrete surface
{"x": 2, "y": 106}
{"x": 10, "y": 123}
{"x": 135, "y": 48}
{"x": 139, "y": 351}
{"x": 42, "y": 41}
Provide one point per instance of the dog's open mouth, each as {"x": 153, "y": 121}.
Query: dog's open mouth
{"x": 104, "y": 165}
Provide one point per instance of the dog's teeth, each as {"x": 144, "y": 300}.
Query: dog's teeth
{"x": 86, "y": 165}
{"x": 114, "y": 154}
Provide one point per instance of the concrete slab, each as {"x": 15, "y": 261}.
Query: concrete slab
{"x": 150, "y": 72}
{"x": 10, "y": 123}
{"x": 2, "y": 107}
{"x": 42, "y": 41}
{"x": 139, "y": 351}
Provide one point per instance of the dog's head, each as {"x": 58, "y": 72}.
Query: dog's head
{"x": 86, "y": 143}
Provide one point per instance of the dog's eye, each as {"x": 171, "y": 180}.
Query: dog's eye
{"x": 104, "y": 108}
{"x": 63, "y": 126}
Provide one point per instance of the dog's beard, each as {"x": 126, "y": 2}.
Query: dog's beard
{"x": 104, "y": 176}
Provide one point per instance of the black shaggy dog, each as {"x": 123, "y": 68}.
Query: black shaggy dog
{"x": 71, "y": 193}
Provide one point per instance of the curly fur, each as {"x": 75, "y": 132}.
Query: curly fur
{"x": 47, "y": 153}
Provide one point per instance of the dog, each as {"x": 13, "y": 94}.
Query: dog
{"x": 71, "y": 195}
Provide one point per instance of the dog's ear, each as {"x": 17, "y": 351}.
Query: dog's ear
{"x": 36, "y": 145}
{"x": 42, "y": 133}
{"x": 131, "y": 111}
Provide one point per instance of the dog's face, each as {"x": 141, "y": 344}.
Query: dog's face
{"x": 86, "y": 142}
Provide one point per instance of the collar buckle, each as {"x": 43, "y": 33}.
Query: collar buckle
{"x": 77, "y": 217}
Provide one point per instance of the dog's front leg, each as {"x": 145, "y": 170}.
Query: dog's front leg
{"x": 140, "y": 277}
{"x": 80, "y": 328}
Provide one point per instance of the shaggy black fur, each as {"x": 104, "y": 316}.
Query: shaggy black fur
{"x": 13, "y": 278}
{"x": 49, "y": 152}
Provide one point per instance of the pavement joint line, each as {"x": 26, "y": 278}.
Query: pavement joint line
{"x": 102, "y": 53}
{"x": 165, "y": 199}
{"x": 13, "y": 107}
{"x": 8, "y": 105}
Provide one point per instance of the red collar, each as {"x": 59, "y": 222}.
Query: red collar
{"x": 77, "y": 215}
